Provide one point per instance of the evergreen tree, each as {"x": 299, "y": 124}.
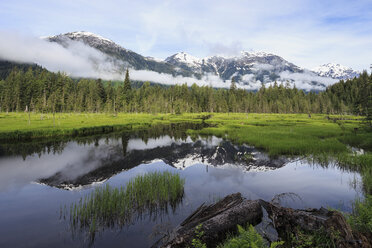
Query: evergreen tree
{"x": 233, "y": 84}
{"x": 40, "y": 90}
{"x": 127, "y": 88}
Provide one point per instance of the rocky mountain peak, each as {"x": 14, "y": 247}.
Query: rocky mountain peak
{"x": 184, "y": 58}
{"x": 335, "y": 71}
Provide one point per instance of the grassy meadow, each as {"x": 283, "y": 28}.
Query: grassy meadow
{"x": 291, "y": 134}
{"x": 22, "y": 126}
{"x": 278, "y": 134}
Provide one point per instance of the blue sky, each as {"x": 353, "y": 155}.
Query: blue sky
{"x": 305, "y": 32}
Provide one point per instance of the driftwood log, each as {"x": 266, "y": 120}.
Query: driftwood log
{"x": 217, "y": 221}
{"x": 220, "y": 219}
{"x": 290, "y": 221}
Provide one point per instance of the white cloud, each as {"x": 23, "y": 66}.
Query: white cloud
{"x": 78, "y": 60}
{"x": 164, "y": 78}
{"x": 303, "y": 80}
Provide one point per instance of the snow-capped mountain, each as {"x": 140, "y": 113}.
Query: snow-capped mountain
{"x": 336, "y": 71}
{"x": 94, "y": 40}
{"x": 251, "y": 69}
{"x": 262, "y": 66}
{"x": 184, "y": 58}
{"x": 248, "y": 69}
{"x": 121, "y": 57}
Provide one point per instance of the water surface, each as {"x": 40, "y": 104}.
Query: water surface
{"x": 36, "y": 179}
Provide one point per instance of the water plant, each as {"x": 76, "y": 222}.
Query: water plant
{"x": 151, "y": 193}
{"x": 361, "y": 217}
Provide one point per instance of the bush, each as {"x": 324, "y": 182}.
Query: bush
{"x": 248, "y": 238}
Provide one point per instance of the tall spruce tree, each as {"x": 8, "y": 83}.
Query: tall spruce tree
{"x": 127, "y": 88}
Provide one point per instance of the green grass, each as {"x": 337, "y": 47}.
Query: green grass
{"x": 289, "y": 134}
{"x": 361, "y": 163}
{"x": 278, "y": 134}
{"x": 144, "y": 194}
{"x": 361, "y": 217}
{"x": 16, "y": 126}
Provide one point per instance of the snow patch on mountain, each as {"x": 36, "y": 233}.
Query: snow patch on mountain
{"x": 336, "y": 71}
{"x": 90, "y": 39}
{"x": 184, "y": 58}
{"x": 255, "y": 54}
{"x": 154, "y": 59}
{"x": 80, "y": 34}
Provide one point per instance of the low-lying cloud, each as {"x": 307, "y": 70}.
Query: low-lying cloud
{"x": 79, "y": 60}
{"x": 164, "y": 78}
{"x": 306, "y": 79}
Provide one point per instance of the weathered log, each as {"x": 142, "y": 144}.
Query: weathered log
{"x": 220, "y": 219}
{"x": 216, "y": 220}
{"x": 288, "y": 221}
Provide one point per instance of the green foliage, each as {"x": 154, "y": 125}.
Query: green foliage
{"x": 197, "y": 240}
{"x": 318, "y": 239}
{"x": 361, "y": 217}
{"x": 105, "y": 206}
{"x": 248, "y": 157}
{"x": 248, "y": 238}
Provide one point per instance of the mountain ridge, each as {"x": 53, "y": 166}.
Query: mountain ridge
{"x": 248, "y": 68}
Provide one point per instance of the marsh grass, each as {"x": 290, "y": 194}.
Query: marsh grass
{"x": 18, "y": 126}
{"x": 290, "y": 134}
{"x": 149, "y": 194}
{"x": 361, "y": 163}
{"x": 361, "y": 217}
